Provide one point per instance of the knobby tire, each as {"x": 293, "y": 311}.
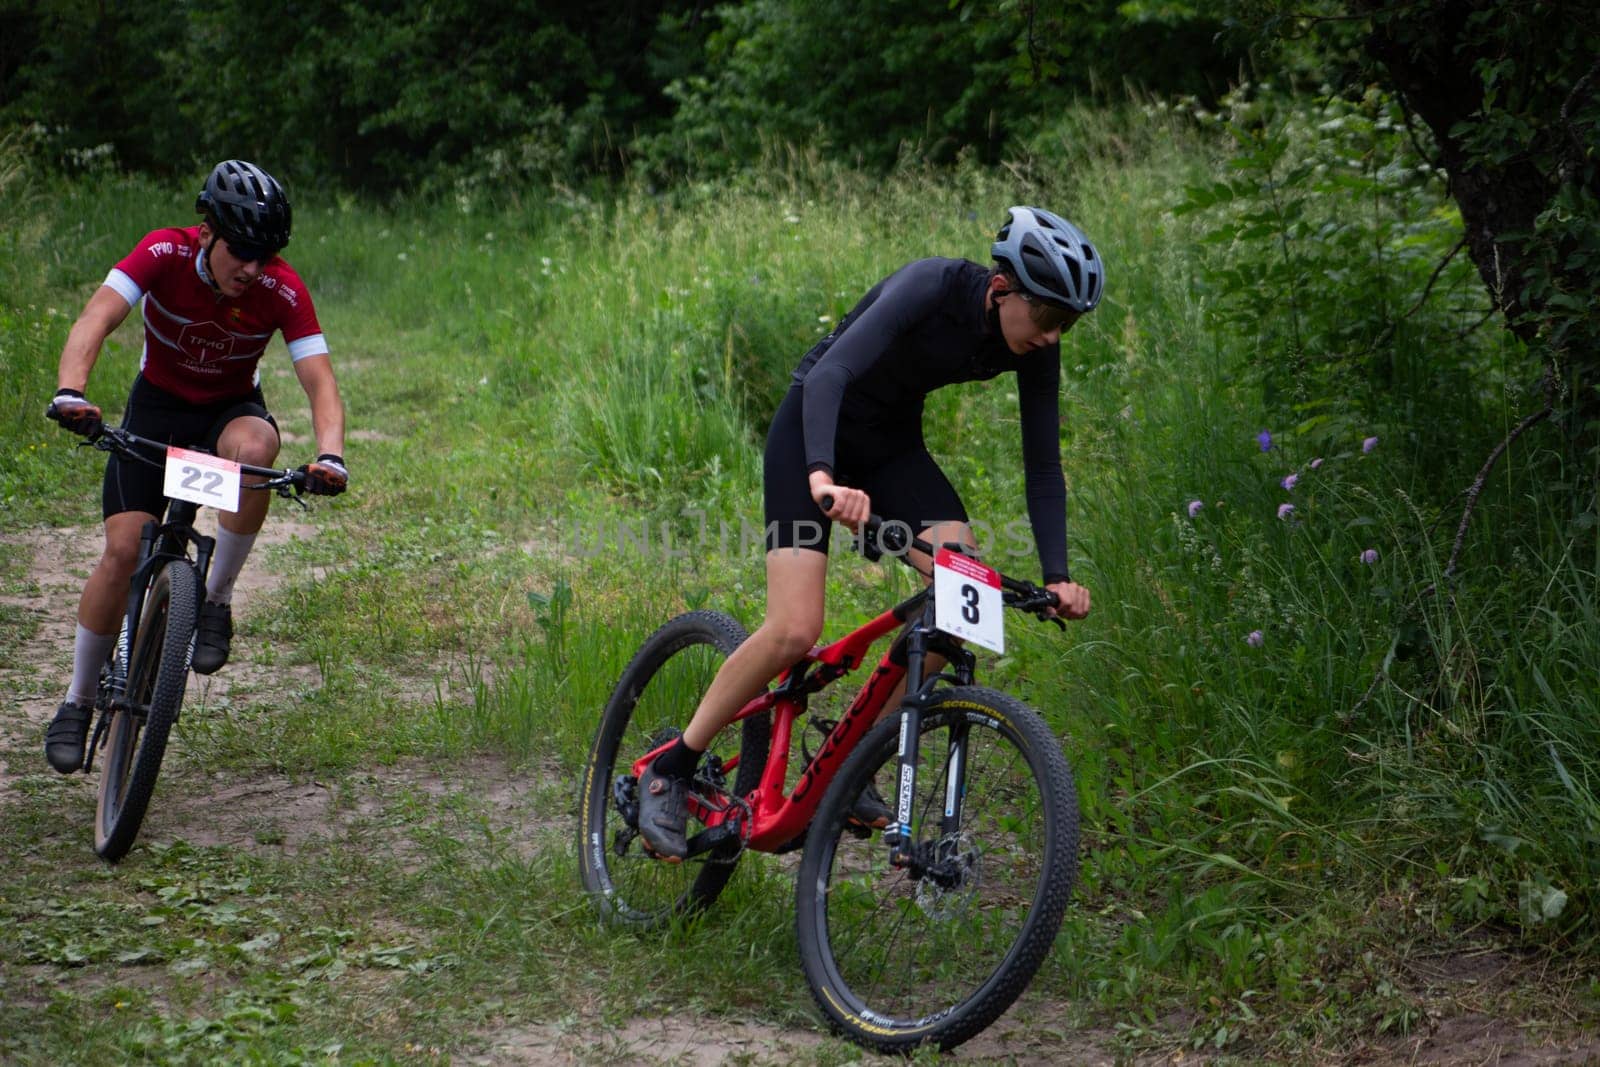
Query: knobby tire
{"x": 895, "y": 961}
{"x": 653, "y": 699}
{"x": 158, "y": 672}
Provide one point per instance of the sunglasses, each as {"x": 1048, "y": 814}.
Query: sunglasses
{"x": 246, "y": 253}
{"x": 1047, "y": 317}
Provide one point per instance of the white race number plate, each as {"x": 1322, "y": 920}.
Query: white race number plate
{"x": 202, "y": 479}
{"x": 966, "y": 599}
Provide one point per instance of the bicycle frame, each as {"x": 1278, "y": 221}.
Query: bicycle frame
{"x": 160, "y": 541}
{"x": 767, "y": 819}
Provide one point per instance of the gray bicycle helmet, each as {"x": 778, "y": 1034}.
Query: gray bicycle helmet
{"x": 246, "y": 206}
{"x": 1051, "y": 258}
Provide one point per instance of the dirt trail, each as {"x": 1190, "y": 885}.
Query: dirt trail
{"x": 1469, "y": 1016}
{"x": 33, "y": 675}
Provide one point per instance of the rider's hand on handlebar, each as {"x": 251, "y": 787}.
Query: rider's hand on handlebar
{"x": 326, "y": 476}
{"x": 73, "y": 412}
{"x": 1072, "y": 598}
{"x": 849, "y": 506}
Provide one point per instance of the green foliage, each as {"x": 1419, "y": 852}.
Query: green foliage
{"x": 1510, "y": 97}
{"x": 1332, "y": 253}
{"x": 501, "y": 95}
{"x": 1262, "y": 844}
{"x": 777, "y": 71}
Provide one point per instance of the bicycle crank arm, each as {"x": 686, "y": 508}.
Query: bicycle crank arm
{"x": 713, "y": 838}
{"x": 102, "y": 720}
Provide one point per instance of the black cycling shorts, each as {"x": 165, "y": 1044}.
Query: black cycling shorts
{"x": 890, "y": 464}
{"x": 159, "y": 415}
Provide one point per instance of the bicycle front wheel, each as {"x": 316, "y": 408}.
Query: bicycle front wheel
{"x": 136, "y": 739}
{"x": 931, "y": 952}
{"x": 657, "y": 693}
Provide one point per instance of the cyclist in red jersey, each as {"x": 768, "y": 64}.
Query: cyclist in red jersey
{"x": 212, "y": 296}
{"x": 849, "y": 432}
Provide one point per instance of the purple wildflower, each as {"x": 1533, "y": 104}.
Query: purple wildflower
{"x": 1264, "y": 439}
{"x": 1369, "y": 444}
{"x": 1255, "y": 639}
{"x": 1289, "y": 482}
{"x": 1369, "y": 556}
{"x": 1285, "y": 510}
{"x": 1316, "y": 463}
{"x": 1194, "y": 507}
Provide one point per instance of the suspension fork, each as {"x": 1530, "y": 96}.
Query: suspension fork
{"x": 898, "y": 837}
{"x": 136, "y": 590}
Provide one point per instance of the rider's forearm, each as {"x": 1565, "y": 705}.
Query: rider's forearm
{"x": 79, "y": 354}
{"x": 327, "y": 423}
{"x": 103, "y": 313}
{"x": 327, "y": 408}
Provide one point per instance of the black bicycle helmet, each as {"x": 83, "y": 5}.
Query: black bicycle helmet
{"x": 1051, "y": 258}
{"x": 246, "y": 205}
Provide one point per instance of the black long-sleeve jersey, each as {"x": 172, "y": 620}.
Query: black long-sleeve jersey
{"x": 923, "y": 327}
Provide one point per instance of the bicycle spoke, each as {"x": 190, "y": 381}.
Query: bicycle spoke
{"x": 655, "y": 697}
{"x": 935, "y": 950}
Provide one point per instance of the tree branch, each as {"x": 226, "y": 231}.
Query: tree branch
{"x": 1483, "y": 476}
{"x": 1575, "y": 157}
{"x": 1473, "y": 492}
{"x": 1443, "y": 263}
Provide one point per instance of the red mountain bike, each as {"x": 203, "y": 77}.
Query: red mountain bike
{"x": 924, "y": 934}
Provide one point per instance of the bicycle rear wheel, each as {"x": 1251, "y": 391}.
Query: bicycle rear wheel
{"x": 934, "y": 952}
{"x": 654, "y": 698}
{"x": 136, "y": 739}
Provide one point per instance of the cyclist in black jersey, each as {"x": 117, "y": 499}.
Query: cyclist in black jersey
{"x": 850, "y": 429}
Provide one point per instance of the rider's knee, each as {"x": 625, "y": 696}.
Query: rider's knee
{"x": 249, "y": 440}
{"x": 120, "y": 556}
{"x": 792, "y": 638}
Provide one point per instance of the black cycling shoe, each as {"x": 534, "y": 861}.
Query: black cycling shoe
{"x": 63, "y": 742}
{"x": 213, "y": 635}
{"x": 663, "y": 815}
{"x": 870, "y": 809}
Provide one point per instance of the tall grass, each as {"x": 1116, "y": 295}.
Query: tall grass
{"x": 590, "y": 365}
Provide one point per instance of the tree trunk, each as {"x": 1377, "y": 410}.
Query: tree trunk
{"x": 1509, "y": 91}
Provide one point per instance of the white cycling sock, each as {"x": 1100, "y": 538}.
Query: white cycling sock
{"x": 89, "y": 651}
{"x": 226, "y": 563}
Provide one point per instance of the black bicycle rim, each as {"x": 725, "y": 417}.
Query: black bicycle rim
{"x": 895, "y": 960}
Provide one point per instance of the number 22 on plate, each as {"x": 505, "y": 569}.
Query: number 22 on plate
{"x": 202, "y": 478}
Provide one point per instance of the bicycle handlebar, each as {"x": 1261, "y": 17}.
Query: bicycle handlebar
{"x": 896, "y": 539}
{"x": 127, "y": 443}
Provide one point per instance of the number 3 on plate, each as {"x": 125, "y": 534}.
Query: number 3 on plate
{"x": 966, "y": 598}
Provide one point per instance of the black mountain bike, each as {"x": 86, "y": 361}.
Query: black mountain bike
{"x": 143, "y": 682}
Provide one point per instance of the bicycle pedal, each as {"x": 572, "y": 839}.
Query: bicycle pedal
{"x": 658, "y": 857}
{"x": 857, "y": 831}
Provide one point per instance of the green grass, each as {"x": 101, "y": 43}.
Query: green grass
{"x": 1266, "y": 842}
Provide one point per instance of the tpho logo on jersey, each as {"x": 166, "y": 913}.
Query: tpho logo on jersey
{"x": 205, "y": 342}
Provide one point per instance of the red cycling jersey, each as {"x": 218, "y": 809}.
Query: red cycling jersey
{"x": 200, "y": 345}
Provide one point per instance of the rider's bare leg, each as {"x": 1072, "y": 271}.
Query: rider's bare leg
{"x": 104, "y": 599}
{"x": 796, "y": 582}
{"x": 253, "y": 440}
{"x": 105, "y": 594}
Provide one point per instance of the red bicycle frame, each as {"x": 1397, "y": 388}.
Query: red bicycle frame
{"x": 775, "y": 818}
